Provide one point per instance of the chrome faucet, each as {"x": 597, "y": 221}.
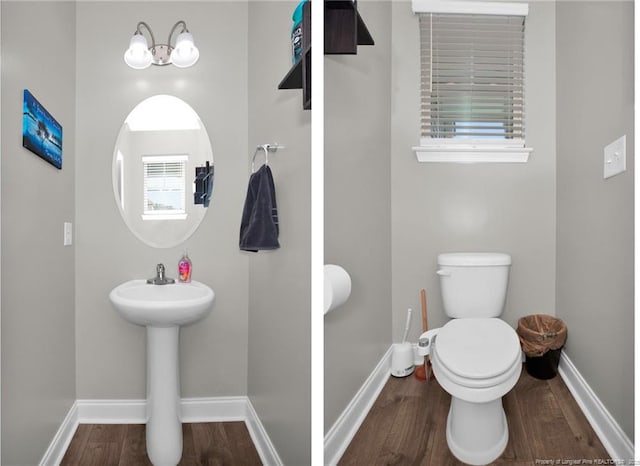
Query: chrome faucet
{"x": 160, "y": 278}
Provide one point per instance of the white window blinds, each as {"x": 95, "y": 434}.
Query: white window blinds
{"x": 164, "y": 186}
{"x": 472, "y": 78}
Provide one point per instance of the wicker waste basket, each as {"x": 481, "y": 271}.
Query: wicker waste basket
{"x": 542, "y": 337}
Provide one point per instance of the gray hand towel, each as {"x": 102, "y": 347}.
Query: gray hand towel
{"x": 259, "y": 226}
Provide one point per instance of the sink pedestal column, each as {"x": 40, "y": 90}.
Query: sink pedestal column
{"x": 164, "y": 428}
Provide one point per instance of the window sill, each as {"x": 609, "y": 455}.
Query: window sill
{"x": 164, "y": 216}
{"x": 472, "y": 155}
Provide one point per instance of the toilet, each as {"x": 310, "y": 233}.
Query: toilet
{"x": 476, "y": 356}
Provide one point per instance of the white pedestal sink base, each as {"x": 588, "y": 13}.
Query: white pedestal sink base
{"x": 162, "y": 309}
{"x": 164, "y": 429}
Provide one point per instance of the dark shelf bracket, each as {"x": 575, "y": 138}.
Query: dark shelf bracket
{"x": 293, "y": 79}
{"x": 364, "y": 36}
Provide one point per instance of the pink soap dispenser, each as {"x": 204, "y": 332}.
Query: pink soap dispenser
{"x": 184, "y": 269}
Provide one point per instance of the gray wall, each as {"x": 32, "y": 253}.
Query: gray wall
{"x": 595, "y": 216}
{"x": 38, "y": 347}
{"x": 111, "y": 352}
{"x": 438, "y": 207}
{"x": 358, "y": 208}
{"x": 279, "y": 365}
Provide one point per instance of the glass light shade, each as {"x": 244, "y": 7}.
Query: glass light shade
{"x": 138, "y": 55}
{"x": 185, "y": 53}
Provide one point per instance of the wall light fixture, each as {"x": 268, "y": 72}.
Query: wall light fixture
{"x": 140, "y": 55}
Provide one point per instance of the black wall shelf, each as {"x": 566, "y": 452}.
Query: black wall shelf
{"x": 299, "y": 76}
{"x": 344, "y": 30}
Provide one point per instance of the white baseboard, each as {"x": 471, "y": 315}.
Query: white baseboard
{"x": 344, "y": 429}
{"x": 266, "y": 450}
{"x": 218, "y": 409}
{"x": 111, "y": 412}
{"x": 614, "y": 440}
{"x": 62, "y": 439}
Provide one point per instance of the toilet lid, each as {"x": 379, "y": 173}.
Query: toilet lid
{"x": 477, "y": 348}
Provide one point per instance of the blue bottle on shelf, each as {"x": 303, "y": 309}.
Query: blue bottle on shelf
{"x": 296, "y": 32}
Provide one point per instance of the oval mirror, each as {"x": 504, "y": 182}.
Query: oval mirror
{"x": 162, "y": 171}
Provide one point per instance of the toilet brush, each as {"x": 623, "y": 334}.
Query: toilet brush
{"x": 402, "y": 356}
{"x": 406, "y": 326}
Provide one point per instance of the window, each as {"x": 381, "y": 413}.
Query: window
{"x": 472, "y": 85}
{"x": 164, "y": 187}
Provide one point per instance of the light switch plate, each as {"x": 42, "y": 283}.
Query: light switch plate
{"x": 68, "y": 234}
{"x": 615, "y": 157}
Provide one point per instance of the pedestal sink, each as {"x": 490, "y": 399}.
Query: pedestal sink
{"x": 162, "y": 309}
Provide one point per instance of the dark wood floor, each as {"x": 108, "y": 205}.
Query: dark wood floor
{"x": 406, "y": 426}
{"x": 215, "y": 443}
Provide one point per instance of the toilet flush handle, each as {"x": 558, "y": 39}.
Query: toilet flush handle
{"x": 444, "y": 273}
{"x": 426, "y": 340}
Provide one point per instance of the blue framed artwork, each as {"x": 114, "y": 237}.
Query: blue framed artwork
{"x": 41, "y": 133}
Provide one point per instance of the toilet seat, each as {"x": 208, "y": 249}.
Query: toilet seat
{"x": 477, "y": 353}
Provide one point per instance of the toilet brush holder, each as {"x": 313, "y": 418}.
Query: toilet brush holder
{"x": 402, "y": 360}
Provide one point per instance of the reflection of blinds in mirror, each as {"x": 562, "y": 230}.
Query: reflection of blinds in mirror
{"x": 164, "y": 187}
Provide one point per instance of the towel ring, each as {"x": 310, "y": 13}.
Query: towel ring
{"x": 266, "y": 148}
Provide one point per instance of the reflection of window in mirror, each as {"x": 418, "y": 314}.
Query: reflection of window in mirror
{"x": 164, "y": 187}
{"x": 119, "y": 178}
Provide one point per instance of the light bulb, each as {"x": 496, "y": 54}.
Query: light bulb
{"x": 138, "y": 55}
{"x": 185, "y": 53}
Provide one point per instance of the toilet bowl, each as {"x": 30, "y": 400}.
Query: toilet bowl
{"x": 477, "y": 361}
{"x": 476, "y": 357}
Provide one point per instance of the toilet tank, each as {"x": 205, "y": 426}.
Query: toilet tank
{"x": 473, "y": 284}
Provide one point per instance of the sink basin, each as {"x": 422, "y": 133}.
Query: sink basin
{"x": 162, "y": 305}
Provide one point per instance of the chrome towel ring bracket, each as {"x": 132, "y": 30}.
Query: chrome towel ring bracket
{"x": 266, "y": 148}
